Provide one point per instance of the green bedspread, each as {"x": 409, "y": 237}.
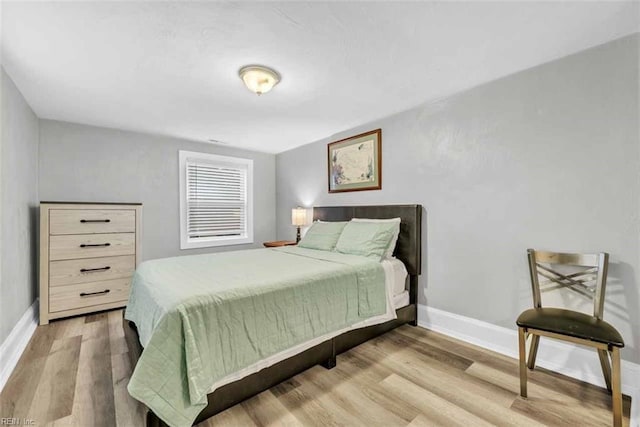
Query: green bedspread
{"x": 203, "y": 317}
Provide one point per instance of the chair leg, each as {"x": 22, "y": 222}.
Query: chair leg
{"x": 616, "y": 390}
{"x": 606, "y": 368}
{"x": 522, "y": 344}
{"x": 533, "y": 351}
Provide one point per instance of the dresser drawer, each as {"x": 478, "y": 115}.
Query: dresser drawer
{"x": 85, "y": 270}
{"x": 71, "y": 297}
{"x": 86, "y": 221}
{"x": 91, "y": 245}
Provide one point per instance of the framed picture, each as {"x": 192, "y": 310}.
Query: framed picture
{"x": 355, "y": 163}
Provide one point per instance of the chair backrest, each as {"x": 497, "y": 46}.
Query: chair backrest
{"x": 597, "y": 265}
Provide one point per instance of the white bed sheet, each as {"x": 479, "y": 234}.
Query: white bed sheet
{"x": 401, "y": 300}
{"x": 391, "y": 279}
{"x": 395, "y": 274}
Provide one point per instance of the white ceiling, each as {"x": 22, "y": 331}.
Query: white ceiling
{"x": 171, "y": 68}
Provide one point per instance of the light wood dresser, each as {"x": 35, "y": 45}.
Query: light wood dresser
{"x": 88, "y": 252}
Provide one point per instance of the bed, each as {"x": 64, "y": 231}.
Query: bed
{"x": 325, "y": 345}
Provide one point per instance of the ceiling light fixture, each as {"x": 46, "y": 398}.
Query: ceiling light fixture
{"x": 259, "y": 79}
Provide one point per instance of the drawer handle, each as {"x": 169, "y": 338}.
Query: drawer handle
{"x": 84, "y": 221}
{"x": 88, "y": 294}
{"x": 85, "y": 245}
{"x": 94, "y": 270}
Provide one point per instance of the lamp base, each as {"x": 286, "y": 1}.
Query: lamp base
{"x": 298, "y": 235}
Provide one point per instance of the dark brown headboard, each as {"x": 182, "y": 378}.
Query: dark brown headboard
{"x": 409, "y": 246}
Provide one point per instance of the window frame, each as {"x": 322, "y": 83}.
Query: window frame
{"x": 242, "y": 163}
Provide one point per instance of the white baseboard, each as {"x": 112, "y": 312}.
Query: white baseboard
{"x": 13, "y": 347}
{"x": 571, "y": 360}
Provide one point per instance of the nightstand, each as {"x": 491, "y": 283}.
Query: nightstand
{"x": 278, "y": 243}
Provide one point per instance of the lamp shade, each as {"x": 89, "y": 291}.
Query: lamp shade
{"x": 298, "y": 216}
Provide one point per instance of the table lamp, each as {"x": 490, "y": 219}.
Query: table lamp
{"x": 298, "y": 218}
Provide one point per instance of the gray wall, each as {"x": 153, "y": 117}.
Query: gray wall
{"x": 546, "y": 158}
{"x": 19, "y": 174}
{"x": 92, "y": 164}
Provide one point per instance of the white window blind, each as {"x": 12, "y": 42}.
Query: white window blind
{"x": 216, "y": 200}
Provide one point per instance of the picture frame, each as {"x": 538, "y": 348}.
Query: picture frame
{"x": 355, "y": 163}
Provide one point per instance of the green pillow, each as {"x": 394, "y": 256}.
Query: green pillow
{"x": 396, "y": 233}
{"x": 322, "y": 235}
{"x": 370, "y": 239}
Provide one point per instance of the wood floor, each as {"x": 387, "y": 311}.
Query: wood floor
{"x": 75, "y": 371}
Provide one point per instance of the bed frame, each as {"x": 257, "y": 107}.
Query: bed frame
{"x": 408, "y": 250}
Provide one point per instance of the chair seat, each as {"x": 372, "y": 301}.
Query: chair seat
{"x": 570, "y": 323}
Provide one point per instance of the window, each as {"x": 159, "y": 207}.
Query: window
{"x": 216, "y": 200}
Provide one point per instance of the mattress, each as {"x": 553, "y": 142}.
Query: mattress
{"x": 395, "y": 275}
{"x": 401, "y": 300}
{"x": 243, "y": 306}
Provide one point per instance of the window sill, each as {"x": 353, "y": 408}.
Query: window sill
{"x": 215, "y": 243}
